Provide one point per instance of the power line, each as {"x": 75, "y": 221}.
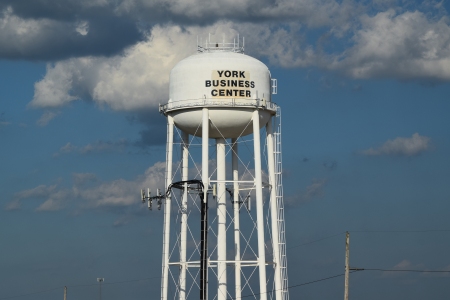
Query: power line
{"x": 79, "y": 285}
{"x": 115, "y": 282}
{"x": 296, "y": 285}
{"x": 34, "y": 293}
{"x": 371, "y": 231}
{"x": 314, "y": 241}
{"x": 399, "y": 270}
{"x": 400, "y": 231}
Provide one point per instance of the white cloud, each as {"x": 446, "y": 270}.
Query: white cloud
{"x": 87, "y": 192}
{"x": 121, "y": 221}
{"x": 384, "y": 39}
{"x": 409, "y": 45}
{"x": 313, "y": 13}
{"x": 134, "y": 80}
{"x": 57, "y": 202}
{"x": 46, "y": 117}
{"x": 13, "y": 205}
{"x": 314, "y": 190}
{"x": 39, "y": 192}
{"x": 103, "y": 146}
{"x": 67, "y": 148}
{"x": 81, "y": 179}
{"x": 95, "y": 147}
{"x": 121, "y": 192}
{"x": 401, "y": 146}
{"x": 139, "y": 77}
{"x": 282, "y": 46}
{"x": 55, "y": 89}
{"x": 82, "y": 27}
{"x": 56, "y": 29}
{"x": 29, "y": 37}
{"x": 23, "y": 28}
{"x": 403, "y": 265}
{"x": 4, "y": 123}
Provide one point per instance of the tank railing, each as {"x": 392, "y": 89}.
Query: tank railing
{"x": 209, "y": 46}
{"x": 217, "y": 102}
{"x": 225, "y": 47}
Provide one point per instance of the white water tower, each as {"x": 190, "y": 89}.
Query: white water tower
{"x": 224, "y": 231}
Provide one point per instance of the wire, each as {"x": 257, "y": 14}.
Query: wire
{"x": 372, "y": 231}
{"x": 79, "y": 285}
{"x": 34, "y": 293}
{"x": 327, "y": 237}
{"x": 115, "y": 282}
{"x": 296, "y": 285}
{"x": 397, "y": 270}
{"x": 400, "y": 231}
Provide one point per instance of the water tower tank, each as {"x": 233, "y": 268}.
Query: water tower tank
{"x": 231, "y": 84}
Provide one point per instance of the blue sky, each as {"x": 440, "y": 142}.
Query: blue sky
{"x": 363, "y": 88}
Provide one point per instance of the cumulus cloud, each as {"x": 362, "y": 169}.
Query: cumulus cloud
{"x": 311, "y": 12}
{"x": 88, "y": 192}
{"x": 56, "y": 29}
{"x": 401, "y": 146}
{"x": 4, "y": 123}
{"x": 52, "y": 37}
{"x": 39, "y": 192}
{"x": 82, "y": 27}
{"x": 138, "y": 79}
{"x": 392, "y": 43}
{"x": 381, "y": 40}
{"x": 403, "y": 265}
{"x": 46, "y": 117}
{"x": 409, "y": 45}
{"x": 314, "y": 13}
{"x": 135, "y": 80}
{"x": 312, "y": 191}
{"x": 95, "y": 147}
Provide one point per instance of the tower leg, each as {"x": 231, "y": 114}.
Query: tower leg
{"x": 259, "y": 207}
{"x": 167, "y": 208}
{"x": 274, "y": 211}
{"x": 183, "y": 229}
{"x": 237, "y": 230}
{"x": 221, "y": 221}
{"x": 205, "y": 153}
{"x": 204, "y": 206}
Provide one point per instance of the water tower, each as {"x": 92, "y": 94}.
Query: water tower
{"x": 224, "y": 231}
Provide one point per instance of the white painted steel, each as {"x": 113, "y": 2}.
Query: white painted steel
{"x": 188, "y": 85}
{"x": 259, "y": 207}
{"x": 205, "y": 151}
{"x": 167, "y": 210}
{"x": 195, "y": 111}
{"x": 237, "y": 230}
{"x": 227, "y": 122}
{"x": 187, "y": 78}
{"x": 184, "y": 215}
{"x": 280, "y": 205}
{"x": 221, "y": 222}
{"x": 274, "y": 210}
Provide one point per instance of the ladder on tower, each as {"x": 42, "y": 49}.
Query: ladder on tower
{"x": 280, "y": 206}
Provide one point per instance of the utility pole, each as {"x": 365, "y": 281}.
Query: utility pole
{"x": 347, "y": 263}
{"x": 65, "y": 293}
{"x": 100, "y": 280}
